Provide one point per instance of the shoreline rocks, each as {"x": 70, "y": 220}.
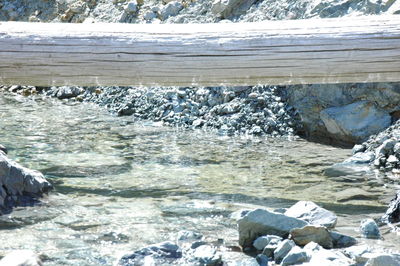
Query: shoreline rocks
{"x": 19, "y": 185}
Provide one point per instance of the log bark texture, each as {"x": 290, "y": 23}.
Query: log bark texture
{"x": 362, "y": 49}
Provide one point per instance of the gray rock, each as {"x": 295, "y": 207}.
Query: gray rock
{"x": 271, "y": 247}
{"x": 384, "y": 149}
{"x": 262, "y": 260}
{"x": 239, "y": 214}
{"x": 295, "y": 256}
{"x": 361, "y": 158}
{"x": 347, "y": 168}
{"x": 21, "y": 258}
{"x": 149, "y": 15}
{"x": 392, "y": 214}
{"x": 171, "y": 9}
{"x": 226, "y": 8}
{"x": 262, "y": 222}
{"x": 310, "y": 233}
{"x": 131, "y": 7}
{"x": 342, "y": 241}
{"x": 206, "y": 255}
{"x": 312, "y": 213}
{"x": 369, "y": 229}
{"x": 355, "y": 122}
{"x": 384, "y": 260}
{"x": 283, "y": 249}
{"x": 17, "y": 181}
{"x": 165, "y": 252}
{"x": 261, "y": 242}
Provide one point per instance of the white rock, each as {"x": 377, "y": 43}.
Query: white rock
{"x": 312, "y": 213}
{"x": 21, "y": 258}
{"x": 296, "y": 256}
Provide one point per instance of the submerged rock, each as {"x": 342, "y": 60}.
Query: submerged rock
{"x": 312, "y": 213}
{"x": 262, "y": 222}
{"x": 162, "y": 253}
{"x": 19, "y": 184}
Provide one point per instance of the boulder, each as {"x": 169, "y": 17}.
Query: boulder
{"x": 342, "y": 241}
{"x": 171, "y": 9}
{"x": 296, "y": 256}
{"x": 312, "y": 213}
{"x": 165, "y": 252}
{"x": 360, "y": 254}
{"x": 355, "y": 122}
{"x": 369, "y": 229}
{"x": 18, "y": 181}
{"x": 311, "y": 233}
{"x": 21, "y": 258}
{"x": 262, "y": 222}
{"x": 283, "y": 249}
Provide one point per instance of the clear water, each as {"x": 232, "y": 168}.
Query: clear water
{"x": 120, "y": 185}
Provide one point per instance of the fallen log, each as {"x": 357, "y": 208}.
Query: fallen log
{"x": 362, "y": 49}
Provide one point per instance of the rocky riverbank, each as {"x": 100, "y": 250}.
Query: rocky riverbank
{"x": 19, "y": 186}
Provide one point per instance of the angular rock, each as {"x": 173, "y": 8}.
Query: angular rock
{"x": 225, "y": 8}
{"x": 392, "y": 214}
{"x": 369, "y": 229}
{"x": 17, "y": 180}
{"x": 355, "y": 122}
{"x": 342, "y": 241}
{"x": 262, "y": 222}
{"x": 171, "y": 9}
{"x": 21, "y": 258}
{"x": 165, "y": 252}
{"x": 312, "y": 213}
{"x": 262, "y": 260}
{"x": 283, "y": 249}
{"x": 271, "y": 247}
{"x": 261, "y": 242}
{"x": 360, "y": 254}
{"x": 296, "y": 256}
{"x": 318, "y": 234}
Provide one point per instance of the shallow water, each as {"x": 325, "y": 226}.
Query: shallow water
{"x": 120, "y": 185}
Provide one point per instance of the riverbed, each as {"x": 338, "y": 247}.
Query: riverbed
{"x": 121, "y": 184}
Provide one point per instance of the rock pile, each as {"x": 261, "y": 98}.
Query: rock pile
{"x": 275, "y": 238}
{"x": 19, "y": 185}
{"x": 235, "y": 110}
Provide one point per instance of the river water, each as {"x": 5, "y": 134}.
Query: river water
{"x": 120, "y": 184}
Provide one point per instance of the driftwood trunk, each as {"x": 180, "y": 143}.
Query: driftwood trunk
{"x": 362, "y": 49}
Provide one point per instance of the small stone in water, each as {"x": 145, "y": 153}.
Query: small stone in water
{"x": 369, "y": 229}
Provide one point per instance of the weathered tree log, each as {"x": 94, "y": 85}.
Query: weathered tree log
{"x": 362, "y": 49}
